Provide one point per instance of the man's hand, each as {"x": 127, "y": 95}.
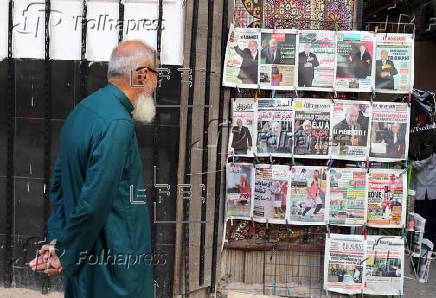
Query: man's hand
{"x": 47, "y": 260}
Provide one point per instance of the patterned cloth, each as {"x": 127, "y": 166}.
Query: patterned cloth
{"x": 247, "y": 13}
{"x": 308, "y": 14}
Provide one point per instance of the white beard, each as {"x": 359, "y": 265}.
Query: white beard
{"x": 145, "y": 109}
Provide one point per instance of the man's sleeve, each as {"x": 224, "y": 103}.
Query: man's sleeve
{"x": 56, "y": 220}
{"x": 420, "y": 164}
{"x": 316, "y": 62}
{"x": 103, "y": 175}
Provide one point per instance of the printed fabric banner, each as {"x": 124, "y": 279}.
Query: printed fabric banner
{"x": 308, "y": 14}
{"x": 343, "y": 264}
{"x": 394, "y": 63}
{"x": 316, "y": 60}
{"x": 355, "y": 264}
{"x": 387, "y": 198}
{"x": 242, "y": 58}
{"x": 242, "y": 135}
{"x": 312, "y": 127}
{"x": 308, "y": 195}
{"x": 350, "y": 122}
{"x": 274, "y": 127}
{"x": 389, "y": 131}
{"x": 247, "y": 13}
{"x": 348, "y": 196}
{"x": 355, "y": 68}
{"x": 277, "y": 59}
{"x": 240, "y": 188}
{"x": 271, "y": 193}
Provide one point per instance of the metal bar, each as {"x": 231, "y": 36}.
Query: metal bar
{"x": 10, "y": 185}
{"x": 47, "y": 132}
{"x": 121, "y": 20}
{"x": 83, "y": 62}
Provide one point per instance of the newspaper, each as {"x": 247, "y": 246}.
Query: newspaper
{"x": 354, "y": 67}
{"x": 277, "y": 59}
{"x": 240, "y": 188}
{"x": 274, "y": 127}
{"x": 271, "y": 193}
{"x": 243, "y": 129}
{"x": 308, "y": 195}
{"x": 350, "y": 134}
{"x": 354, "y": 264}
{"x": 348, "y": 196}
{"x": 384, "y": 265}
{"x": 242, "y": 58}
{"x": 394, "y": 63}
{"x": 417, "y": 233}
{"x": 389, "y": 131}
{"x": 424, "y": 260}
{"x": 343, "y": 264}
{"x": 316, "y": 60}
{"x": 312, "y": 127}
{"x": 387, "y": 198}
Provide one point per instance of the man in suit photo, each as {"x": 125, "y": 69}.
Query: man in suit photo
{"x": 385, "y": 72}
{"x": 272, "y": 53}
{"x": 307, "y": 61}
{"x": 304, "y": 142}
{"x": 248, "y": 69}
{"x": 277, "y": 141}
{"x": 361, "y": 63}
{"x": 241, "y": 138}
{"x": 395, "y": 141}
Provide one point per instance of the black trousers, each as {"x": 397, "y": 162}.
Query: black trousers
{"x": 427, "y": 209}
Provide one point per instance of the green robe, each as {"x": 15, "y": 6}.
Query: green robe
{"x": 100, "y": 216}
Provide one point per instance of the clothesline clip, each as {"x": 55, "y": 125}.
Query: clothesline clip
{"x": 252, "y": 222}
{"x": 403, "y": 232}
{"x": 335, "y": 94}
{"x": 296, "y": 93}
{"x": 270, "y": 159}
{"x": 330, "y": 163}
{"x": 238, "y": 90}
{"x": 233, "y": 158}
{"x": 365, "y": 231}
{"x": 373, "y": 95}
{"x": 409, "y": 97}
{"x": 288, "y": 228}
{"x": 273, "y": 94}
{"x": 255, "y": 159}
{"x": 368, "y": 165}
{"x": 256, "y": 95}
{"x": 231, "y": 221}
{"x": 327, "y": 226}
{"x": 267, "y": 224}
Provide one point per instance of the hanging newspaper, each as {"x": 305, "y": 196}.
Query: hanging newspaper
{"x": 389, "y": 131}
{"x": 316, "y": 60}
{"x": 348, "y": 196}
{"x": 387, "y": 198}
{"x": 384, "y": 265}
{"x": 308, "y": 195}
{"x": 355, "y": 68}
{"x": 343, "y": 264}
{"x": 277, "y": 59}
{"x": 240, "y": 188}
{"x": 271, "y": 193}
{"x": 394, "y": 63}
{"x": 274, "y": 127}
{"x": 417, "y": 233}
{"x": 242, "y": 57}
{"x": 312, "y": 127}
{"x": 350, "y": 130}
{"x": 242, "y": 135}
{"x": 355, "y": 265}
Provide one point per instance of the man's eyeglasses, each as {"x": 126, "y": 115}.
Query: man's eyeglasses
{"x": 149, "y": 68}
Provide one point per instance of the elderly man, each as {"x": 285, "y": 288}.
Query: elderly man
{"x": 304, "y": 142}
{"x": 384, "y": 72}
{"x": 350, "y": 132}
{"x": 272, "y": 53}
{"x": 248, "y": 69}
{"x": 100, "y": 237}
{"x": 307, "y": 61}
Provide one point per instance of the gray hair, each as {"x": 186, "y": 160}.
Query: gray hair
{"x": 123, "y": 62}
